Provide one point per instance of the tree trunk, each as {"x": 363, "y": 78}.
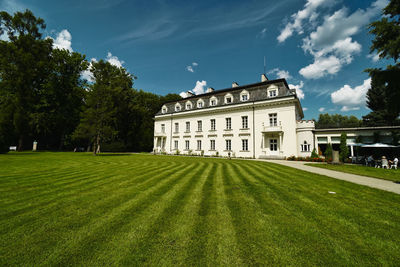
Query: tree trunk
{"x": 96, "y": 148}
{"x": 62, "y": 138}
{"x": 21, "y": 143}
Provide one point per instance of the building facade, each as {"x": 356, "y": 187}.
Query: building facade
{"x": 261, "y": 120}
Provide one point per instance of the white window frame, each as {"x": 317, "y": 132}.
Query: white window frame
{"x": 163, "y": 128}
{"x": 246, "y": 94}
{"x": 188, "y": 105}
{"x": 187, "y": 144}
{"x": 187, "y": 127}
{"x": 178, "y": 107}
{"x": 245, "y": 145}
{"x": 228, "y": 123}
{"x": 212, "y": 144}
{"x": 176, "y": 143}
{"x": 200, "y": 103}
{"x": 164, "y": 109}
{"x": 199, "y": 126}
{"x": 176, "y": 127}
{"x": 272, "y": 91}
{"x": 245, "y": 122}
{"x": 273, "y": 119}
{"x": 273, "y": 144}
{"x": 198, "y": 144}
{"x": 228, "y": 145}
{"x": 305, "y": 147}
{"x": 213, "y": 124}
{"x": 230, "y": 97}
{"x": 213, "y": 101}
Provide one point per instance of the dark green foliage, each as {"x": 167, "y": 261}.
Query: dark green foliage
{"x": 314, "y": 154}
{"x": 384, "y": 95}
{"x": 336, "y": 121}
{"x": 328, "y": 152}
{"x": 344, "y": 150}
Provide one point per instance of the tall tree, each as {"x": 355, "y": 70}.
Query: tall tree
{"x": 99, "y": 120}
{"x": 61, "y": 102}
{"x": 23, "y": 67}
{"x": 387, "y": 44}
{"x": 344, "y": 150}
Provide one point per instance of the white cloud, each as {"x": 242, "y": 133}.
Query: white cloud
{"x": 331, "y": 43}
{"x": 87, "y": 74}
{"x": 191, "y": 67}
{"x": 113, "y": 60}
{"x": 374, "y": 57}
{"x": 305, "y": 109}
{"x": 322, "y": 109}
{"x": 63, "y": 40}
{"x": 262, "y": 33}
{"x": 321, "y": 67}
{"x": 197, "y": 90}
{"x": 299, "y": 91}
{"x": 11, "y": 6}
{"x": 280, "y": 73}
{"x": 349, "y": 98}
{"x": 296, "y": 24}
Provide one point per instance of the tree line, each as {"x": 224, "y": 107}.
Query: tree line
{"x": 43, "y": 96}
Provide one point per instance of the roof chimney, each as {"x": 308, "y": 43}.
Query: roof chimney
{"x": 189, "y": 94}
{"x": 263, "y": 78}
{"x": 235, "y": 84}
{"x": 210, "y": 90}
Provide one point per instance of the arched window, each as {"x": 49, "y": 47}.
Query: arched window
{"x": 213, "y": 101}
{"x": 188, "y": 105}
{"x": 228, "y": 98}
{"x": 305, "y": 147}
{"x": 244, "y": 96}
{"x": 200, "y": 103}
{"x": 164, "y": 109}
{"x": 178, "y": 107}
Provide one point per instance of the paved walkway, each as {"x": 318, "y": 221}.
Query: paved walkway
{"x": 353, "y": 178}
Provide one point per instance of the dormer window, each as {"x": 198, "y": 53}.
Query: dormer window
{"x": 164, "y": 110}
{"x": 200, "y": 103}
{"x": 244, "y": 96}
{"x": 305, "y": 147}
{"x": 178, "y": 107}
{"x": 272, "y": 91}
{"x": 213, "y": 101}
{"x": 188, "y": 105}
{"x": 228, "y": 99}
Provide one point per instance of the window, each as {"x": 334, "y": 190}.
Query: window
{"x": 199, "y": 126}
{"x": 164, "y": 109}
{"x": 305, "y": 147}
{"x": 212, "y": 124}
{"x": 245, "y": 124}
{"x": 188, "y": 106}
{"x": 228, "y": 123}
{"x": 198, "y": 144}
{"x": 176, "y": 127}
{"x": 187, "y": 126}
{"x": 212, "y": 144}
{"x": 273, "y": 144}
{"x": 245, "y": 145}
{"x": 244, "y": 95}
{"x": 213, "y": 101}
{"x": 228, "y": 98}
{"x": 187, "y": 144}
{"x": 177, "y": 107}
{"x": 200, "y": 103}
{"x": 272, "y": 93}
{"x": 176, "y": 144}
{"x": 273, "y": 119}
{"x": 228, "y": 144}
{"x": 163, "y": 128}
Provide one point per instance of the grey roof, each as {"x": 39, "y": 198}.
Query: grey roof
{"x": 257, "y": 92}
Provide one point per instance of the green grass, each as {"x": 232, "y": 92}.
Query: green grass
{"x": 387, "y": 174}
{"x": 77, "y": 209}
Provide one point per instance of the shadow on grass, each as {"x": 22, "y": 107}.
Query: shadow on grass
{"x": 113, "y": 154}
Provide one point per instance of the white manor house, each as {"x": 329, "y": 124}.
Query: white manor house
{"x": 260, "y": 120}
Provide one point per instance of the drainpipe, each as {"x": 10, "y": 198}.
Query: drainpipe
{"x": 254, "y": 138}
{"x": 170, "y": 137}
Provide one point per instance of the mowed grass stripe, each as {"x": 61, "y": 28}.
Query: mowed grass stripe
{"x": 90, "y": 236}
{"x": 323, "y": 225}
{"x": 59, "y": 194}
{"x": 99, "y": 208}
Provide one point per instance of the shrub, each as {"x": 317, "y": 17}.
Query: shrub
{"x": 328, "y": 151}
{"x": 314, "y": 154}
{"x": 344, "y": 150}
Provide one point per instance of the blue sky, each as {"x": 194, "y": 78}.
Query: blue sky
{"x": 320, "y": 46}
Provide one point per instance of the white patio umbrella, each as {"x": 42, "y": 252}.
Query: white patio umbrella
{"x": 376, "y": 145}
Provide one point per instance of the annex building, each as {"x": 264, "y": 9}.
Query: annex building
{"x": 260, "y": 120}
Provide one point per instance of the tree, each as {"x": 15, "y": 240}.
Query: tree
{"x": 328, "y": 152}
{"x": 384, "y": 95}
{"x": 336, "y": 121}
{"x": 344, "y": 150}
{"x": 23, "y": 68}
{"x": 104, "y": 97}
{"x": 61, "y": 101}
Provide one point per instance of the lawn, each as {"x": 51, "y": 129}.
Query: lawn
{"x": 78, "y": 209}
{"x": 391, "y": 174}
